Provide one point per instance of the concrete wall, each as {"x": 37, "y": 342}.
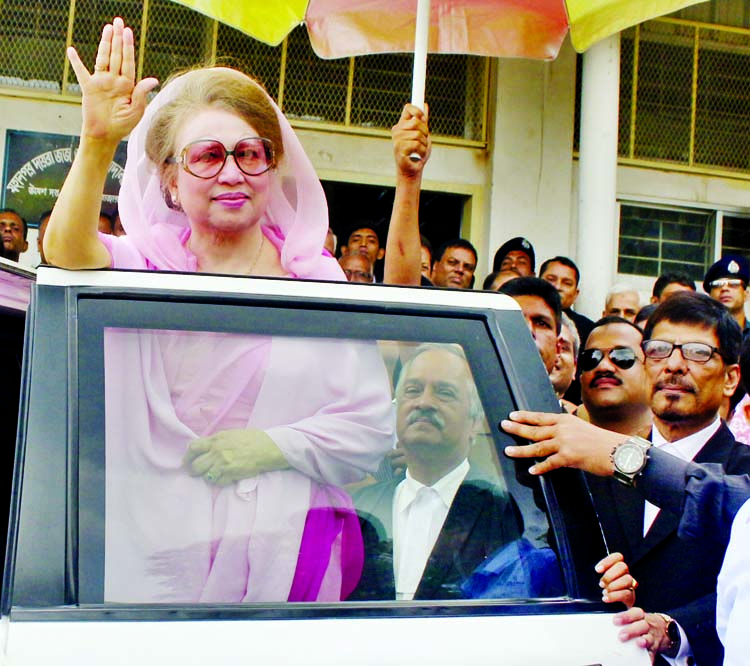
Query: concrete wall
{"x": 639, "y": 185}
{"x": 336, "y": 156}
{"x": 525, "y": 184}
{"x": 521, "y": 185}
{"x": 532, "y": 155}
{"x": 36, "y": 115}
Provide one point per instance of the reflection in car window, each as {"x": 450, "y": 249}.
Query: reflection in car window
{"x": 449, "y": 527}
{"x": 225, "y": 458}
{"x": 249, "y": 468}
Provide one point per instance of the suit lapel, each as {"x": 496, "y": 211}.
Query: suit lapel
{"x": 718, "y": 448}
{"x": 629, "y": 506}
{"x": 715, "y": 450}
{"x": 664, "y": 524}
{"x": 457, "y": 530}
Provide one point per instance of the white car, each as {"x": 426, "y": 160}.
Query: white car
{"x": 66, "y": 598}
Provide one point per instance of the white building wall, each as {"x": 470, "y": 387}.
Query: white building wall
{"x": 36, "y": 115}
{"x": 532, "y": 124}
{"x": 532, "y": 149}
{"x": 672, "y": 188}
{"x": 336, "y": 156}
{"x": 525, "y": 184}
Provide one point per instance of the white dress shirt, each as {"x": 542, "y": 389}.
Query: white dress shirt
{"x": 733, "y": 603}
{"x": 419, "y": 512}
{"x": 686, "y": 449}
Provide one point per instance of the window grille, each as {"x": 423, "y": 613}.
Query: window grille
{"x": 735, "y": 235}
{"x": 685, "y": 97}
{"x": 363, "y": 94}
{"x": 660, "y": 240}
{"x": 33, "y": 36}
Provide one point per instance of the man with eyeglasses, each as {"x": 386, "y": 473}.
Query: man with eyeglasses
{"x": 691, "y": 347}
{"x": 357, "y": 268}
{"x": 613, "y": 377}
{"x": 726, "y": 281}
{"x": 566, "y": 361}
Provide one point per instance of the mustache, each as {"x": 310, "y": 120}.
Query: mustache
{"x": 429, "y": 415}
{"x": 605, "y": 375}
{"x": 675, "y": 382}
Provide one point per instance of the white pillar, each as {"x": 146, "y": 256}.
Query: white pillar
{"x": 531, "y": 153}
{"x": 598, "y": 222}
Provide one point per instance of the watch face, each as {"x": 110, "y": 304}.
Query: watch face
{"x": 628, "y": 458}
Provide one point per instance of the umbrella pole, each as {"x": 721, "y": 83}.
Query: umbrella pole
{"x": 421, "y": 38}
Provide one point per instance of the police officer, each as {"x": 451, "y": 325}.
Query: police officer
{"x": 726, "y": 281}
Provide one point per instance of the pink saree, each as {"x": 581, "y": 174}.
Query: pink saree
{"x": 284, "y": 535}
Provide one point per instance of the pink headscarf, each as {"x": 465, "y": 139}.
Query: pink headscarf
{"x": 296, "y": 220}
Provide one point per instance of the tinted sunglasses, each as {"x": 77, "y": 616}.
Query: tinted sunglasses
{"x": 206, "y": 158}
{"x": 623, "y": 357}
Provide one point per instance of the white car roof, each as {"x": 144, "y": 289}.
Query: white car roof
{"x": 202, "y": 282}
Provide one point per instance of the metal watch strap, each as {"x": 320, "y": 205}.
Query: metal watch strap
{"x": 624, "y": 477}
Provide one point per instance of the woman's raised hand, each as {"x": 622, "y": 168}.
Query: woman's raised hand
{"x": 112, "y": 101}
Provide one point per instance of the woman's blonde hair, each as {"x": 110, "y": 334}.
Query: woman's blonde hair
{"x": 210, "y": 87}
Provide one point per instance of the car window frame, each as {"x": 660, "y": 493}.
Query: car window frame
{"x": 499, "y": 328}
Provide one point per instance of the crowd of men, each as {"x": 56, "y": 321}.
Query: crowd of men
{"x": 14, "y": 232}
{"x": 652, "y": 407}
{"x": 652, "y": 402}
{"x": 671, "y": 385}
{"x": 651, "y": 387}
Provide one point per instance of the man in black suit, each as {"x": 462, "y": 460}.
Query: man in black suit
{"x": 425, "y": 535}
{"x": 691, "y": 347}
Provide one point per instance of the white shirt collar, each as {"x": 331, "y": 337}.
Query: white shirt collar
{"x": 446, "y": 487}
{"x": 687, "y": 447}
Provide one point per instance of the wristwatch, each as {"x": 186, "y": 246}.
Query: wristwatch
{"x": 672, "y": 630}
{"x": 630, "y": 459}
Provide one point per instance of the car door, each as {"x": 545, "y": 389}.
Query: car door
{"x": 112, "y": 357}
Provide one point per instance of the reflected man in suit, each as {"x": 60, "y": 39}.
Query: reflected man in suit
{"x": 424, "y": 535}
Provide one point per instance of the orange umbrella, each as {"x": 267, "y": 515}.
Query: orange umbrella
{"x": 496, "y": 28}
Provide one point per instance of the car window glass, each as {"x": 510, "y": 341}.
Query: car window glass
{"x": 255, "y": 467}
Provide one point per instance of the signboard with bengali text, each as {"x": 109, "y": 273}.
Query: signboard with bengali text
{"x": 35, "y": 166}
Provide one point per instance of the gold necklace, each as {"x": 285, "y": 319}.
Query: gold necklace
{"x": 257, "y": 256}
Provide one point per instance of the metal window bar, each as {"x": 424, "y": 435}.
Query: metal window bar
{"x": 690, "y": 102}
{"x": 735, "y": 235}
{"x": 684, "y": 98}
{"x": 361, "y": 95}
{"x": 656, "y": 239}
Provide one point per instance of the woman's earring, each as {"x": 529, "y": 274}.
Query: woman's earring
{"x": 172, "y": 200}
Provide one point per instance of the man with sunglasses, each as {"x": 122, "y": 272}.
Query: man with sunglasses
{"x": 726, "y": 281}
{"x": 613, "y": 377}
{"x": 691, "y": 347}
